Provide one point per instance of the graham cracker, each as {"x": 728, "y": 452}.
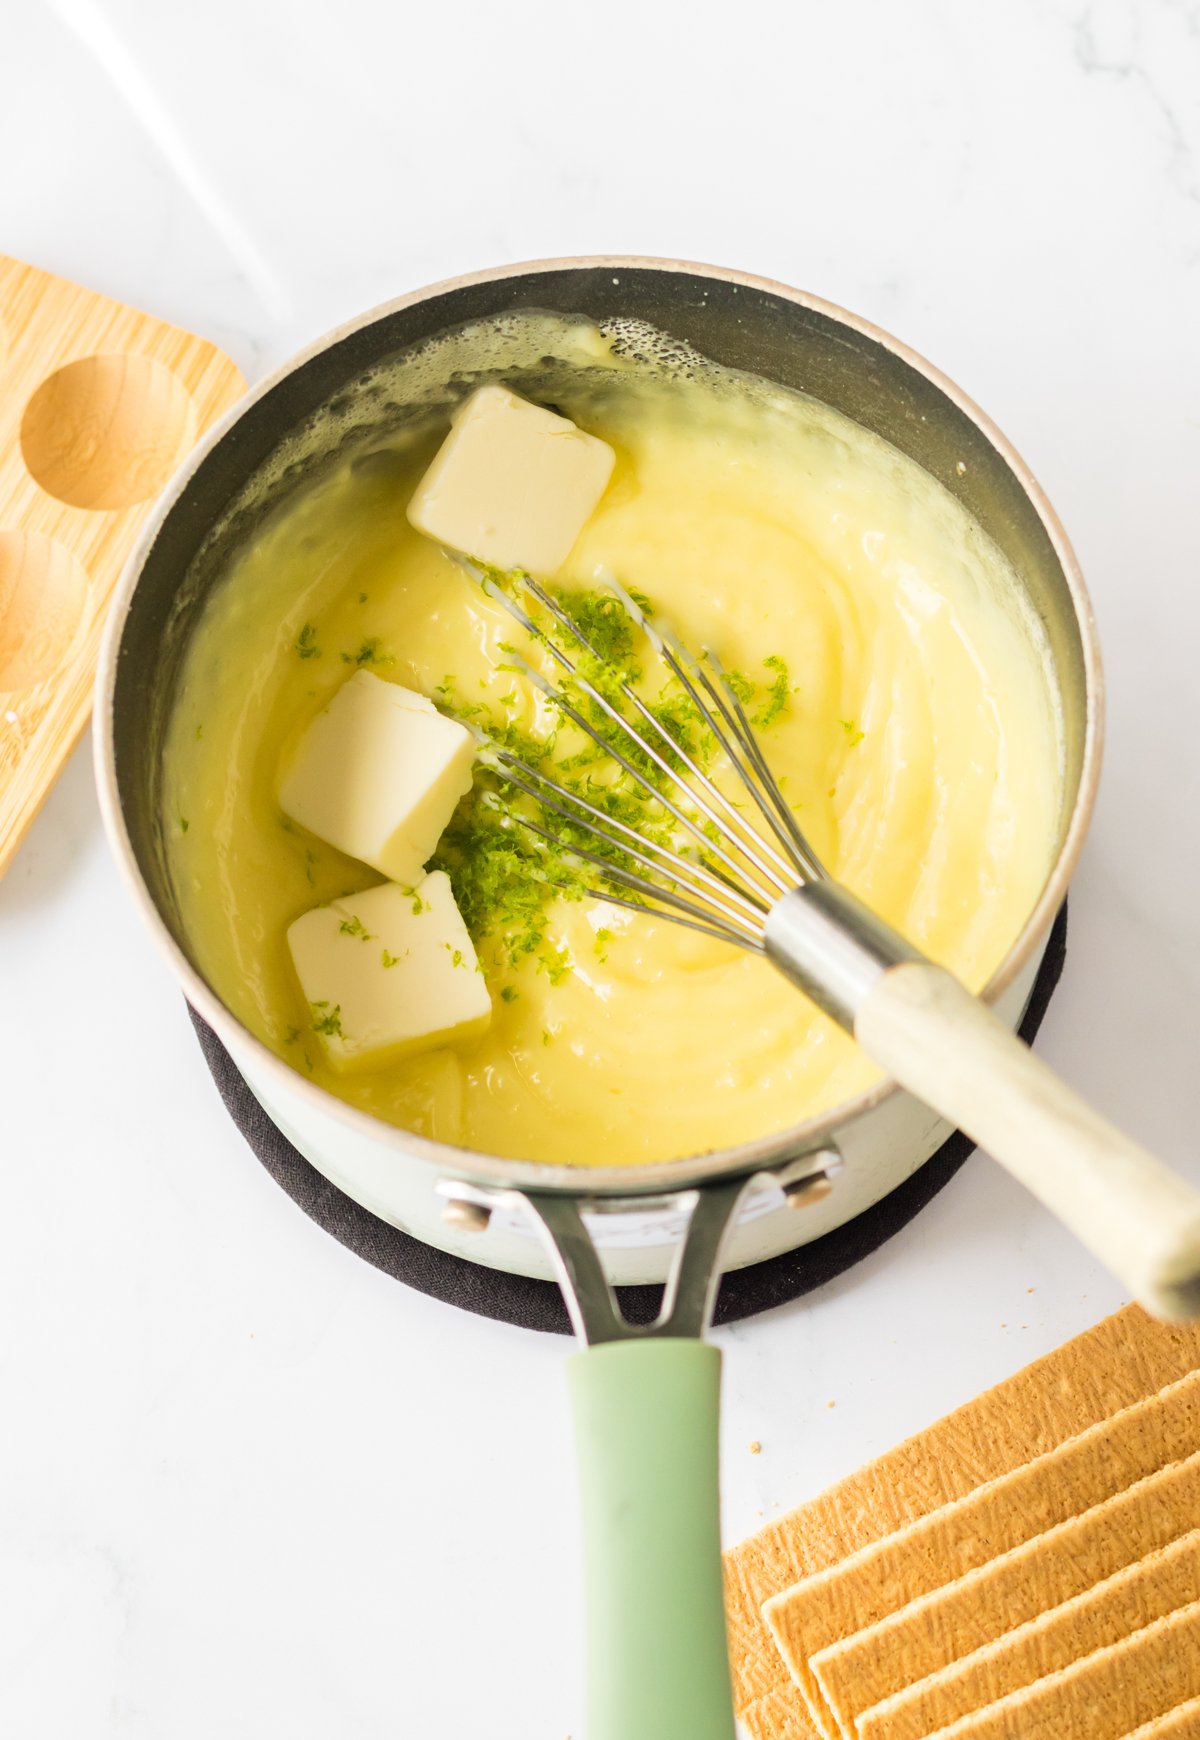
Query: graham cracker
{"x": 779, "y": 1716}
{"x": 952, "y": 1622}
{"x": 1181, "y": 1723}
{"x": 1124, "y": 1358}
{"x": 1113, "y": 1610}
{"x": 1136, "y": 1681}
{"x": 942, "y": 1546}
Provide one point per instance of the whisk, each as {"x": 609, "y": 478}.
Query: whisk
{"x": 745, "y": 873}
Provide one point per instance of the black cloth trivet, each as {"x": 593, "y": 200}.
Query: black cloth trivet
{"x": 531, "y": 1304}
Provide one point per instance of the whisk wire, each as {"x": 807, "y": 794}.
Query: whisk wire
{"x": 724, "y": 933}
{"x": 707, "y": 926}
{"x": 672, "y": 743}
{"x": 744, "y": 939}
{"x": 685, "y": 872}
{"x": 728, "y": 929}
{"x": 680, "y": 661}
{"x": 727, "y": 888}
{"x": 686, "y": 821}
{"x": 728, "y": 701}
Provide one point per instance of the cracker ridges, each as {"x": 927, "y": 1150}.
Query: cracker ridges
{"x": 941, "y": 1546}
{"x": 1126, "y": 1356}
{"x": 861, "y": 1671}
{"x": 1114, "y": 1609}
{"x": 1103, "y": 1696}
{"x": 1181, "y": 1723}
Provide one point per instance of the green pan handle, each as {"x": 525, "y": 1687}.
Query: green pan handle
{"x": 646, "y": 1423}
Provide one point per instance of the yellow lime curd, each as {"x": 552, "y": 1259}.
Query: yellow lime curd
{"x": 919, "y": 745}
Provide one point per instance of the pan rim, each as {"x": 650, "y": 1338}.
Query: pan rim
{"x": 633, "y": 1178}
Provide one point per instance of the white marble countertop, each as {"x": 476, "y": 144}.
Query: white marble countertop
{"x": 248, "y": 1486}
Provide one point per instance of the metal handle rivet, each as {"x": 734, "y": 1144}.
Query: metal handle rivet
{"x": 805, "y": 1192}
{"x": 466, "y": 1216}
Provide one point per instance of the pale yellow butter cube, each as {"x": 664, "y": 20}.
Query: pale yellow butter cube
{"x": 512, "y": 484}
{"x": 378, "y": 774}
{"x": 389, "y": 972}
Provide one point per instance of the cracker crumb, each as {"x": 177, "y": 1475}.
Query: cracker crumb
{"x": 755, "y": 1447}
{"x": 831, "y": 1404}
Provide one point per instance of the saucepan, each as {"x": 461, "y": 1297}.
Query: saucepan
{"x": 645, "y": 1398}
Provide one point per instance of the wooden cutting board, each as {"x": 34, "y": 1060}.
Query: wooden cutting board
{"x": 99, "y": 404}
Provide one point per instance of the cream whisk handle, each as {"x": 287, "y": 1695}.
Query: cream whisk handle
{"x": 946, "y": 1047}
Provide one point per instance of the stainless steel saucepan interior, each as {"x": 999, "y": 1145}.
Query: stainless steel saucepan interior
{"x": 645, "y": 1399}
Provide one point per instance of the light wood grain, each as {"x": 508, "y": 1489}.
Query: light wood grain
{"x": 1134, "y": 1213}
{"x": 99, "y": 404}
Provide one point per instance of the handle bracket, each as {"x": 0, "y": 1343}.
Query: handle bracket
{"x": 710, "y": 1212}
{"x": 695, "y": 1273}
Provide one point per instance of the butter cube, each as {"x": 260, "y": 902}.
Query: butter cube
{"x": 512, "y": 484}
{"x": 378, "y": 774}
{"x": 389, "y": 972}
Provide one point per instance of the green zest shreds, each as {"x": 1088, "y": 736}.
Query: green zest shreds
{"x": 367, "y": 654}
{"x": 504, "y": 877}
{"x": 353, "y": 926}
{"x": 306, "y": 642}
{"x": 499, "y": 876}
{"x": 778, "y": 697}
{"x": 601, "y": 618}
{"x": 326, "y": 1020}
